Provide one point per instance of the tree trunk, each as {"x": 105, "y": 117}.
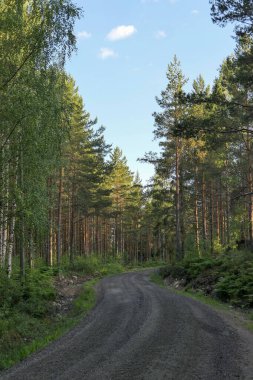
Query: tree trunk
{"x": 203, "y": 201}
{"x": 22, "y": 219}
{"x": 211, "y": 219}
{"x": 178, "y": 205}
{"x": 31, "y": 249}
{"x": 196, "y": 212}
{"x": 250, "y": 188}
{"x": 4, "y": 215}
{"x": 50, "y": 232}
{"x": 217, "y": 216}
{"x": 221, "y": 223}
{"x": 10, "y": 248}
{"x": 59, "y": 218}
{"x": 71, "y": 229}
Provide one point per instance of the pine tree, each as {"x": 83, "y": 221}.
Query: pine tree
{"x": 172, "y": 147}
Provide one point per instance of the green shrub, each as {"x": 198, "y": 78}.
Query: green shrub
{"x": 228, "y": 277}
{"x": 176, "y": 271}
{"x": 10, "y": 292}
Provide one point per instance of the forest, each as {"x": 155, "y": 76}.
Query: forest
{"x": 65, "y": 193}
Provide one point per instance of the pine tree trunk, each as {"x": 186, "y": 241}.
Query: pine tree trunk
{"x": 203, "y": 201}
{"x": 228, "y": 214}
{"x": 22, "y": 221}
{"x": 178, "y": 205}
{"x": 50, "y": 240}
{"x": 50, "y": 226}
{"x": 250, "y": 209}
{"x": 211, "y": 219}
{"x": 10, "y": 248}
{"x": 217, "y": 216}
{"x": 196, "y": 212}
{"x": 31, "y": 250}
{"x": 71, "y": 229}
{"x": 250, "y": 188}
{"x": 4, "y": 215}
{"x": 59, "y": 219}
{"x": 221, "y": 222}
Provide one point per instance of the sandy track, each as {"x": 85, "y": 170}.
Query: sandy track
{"x": 139, "y": 331}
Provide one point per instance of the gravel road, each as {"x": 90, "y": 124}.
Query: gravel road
{"x": 140, "y": 331}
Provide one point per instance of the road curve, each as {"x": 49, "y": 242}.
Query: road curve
{"x": 140, "y": 331}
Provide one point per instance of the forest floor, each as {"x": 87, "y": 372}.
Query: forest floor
{"x": 35, "y": 314}
{"x": 139, "y": 330}
{"x": 68, "y": 288}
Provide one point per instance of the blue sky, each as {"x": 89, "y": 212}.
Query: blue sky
{"x": 124, "y": 47}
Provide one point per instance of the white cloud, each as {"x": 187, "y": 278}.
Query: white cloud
{"x": 160, "y": 34}
{"x": 84, "y": 35}
{"x": 105, "y": 53}
{"x": 194, "y": 12}
{"x": 121, "y": 32}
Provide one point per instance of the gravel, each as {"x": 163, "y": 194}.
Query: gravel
{"x": 141, "y": 331}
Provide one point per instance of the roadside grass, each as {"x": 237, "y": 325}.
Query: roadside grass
{"x": 245, "y": 317}
{"x": 27, "y": 318}
{"x": 157, "y": 279}
{"x": 93, "y": 265}
{"x": 150, "y": 264}
{"x": 22, "y": 333}
{"x": 249, "y": 323}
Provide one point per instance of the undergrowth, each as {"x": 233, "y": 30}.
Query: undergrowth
{"x": 27, "y": 321}
{"x": 228, "y": 278}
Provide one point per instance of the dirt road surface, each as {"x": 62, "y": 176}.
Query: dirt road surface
{"x": 141, "y": 331}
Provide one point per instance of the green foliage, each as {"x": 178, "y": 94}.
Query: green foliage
{"x": 157, "y": 279}
{"x": 37, "y": 291}
{"x": 24, "y": 313}
{"x": 30, "y": 296}
{"x": 94, "y": 265}
{"x": 89, "y": 265}
{"x": 22, "y": 334}
{"x": 174, "y": 271}
{"x": 86, "y": 300}
{"x": 239, "y": 12}
{"x": 228, "y": 278}
{"x": 26, "y": 321}
{"x": 151, "y": 263}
